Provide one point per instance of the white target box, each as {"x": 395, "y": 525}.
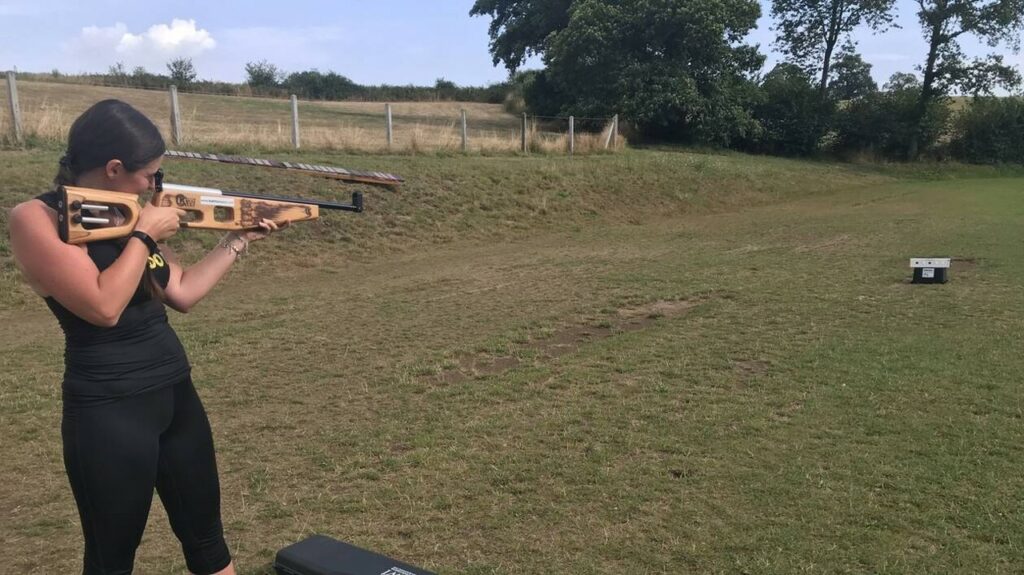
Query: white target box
{"x": 930, "y": 270}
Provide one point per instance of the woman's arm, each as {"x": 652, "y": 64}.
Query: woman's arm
{"x": 67, "y": 273}
{"x": 187, "y": 286}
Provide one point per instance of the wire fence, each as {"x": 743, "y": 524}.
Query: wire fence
{"x": 45, "y": 110}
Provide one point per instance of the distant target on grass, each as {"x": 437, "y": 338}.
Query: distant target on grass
{"x": 930, "y": 270}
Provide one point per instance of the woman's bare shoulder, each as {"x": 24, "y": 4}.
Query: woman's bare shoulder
{"x": 30, "y": 224}
{"x": 31, "y": 207}
{"x": 33, "y": 219}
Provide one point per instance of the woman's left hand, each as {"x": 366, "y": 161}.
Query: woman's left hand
{"x": 267, "y": 227}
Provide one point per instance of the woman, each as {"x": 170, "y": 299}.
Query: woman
{"x": 131, "y": 420}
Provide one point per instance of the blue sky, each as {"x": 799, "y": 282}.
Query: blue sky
{"x": 371, "y": 42}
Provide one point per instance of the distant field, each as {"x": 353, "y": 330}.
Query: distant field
{"x": 646, "y": 362}
{"x": 238, "y": 122}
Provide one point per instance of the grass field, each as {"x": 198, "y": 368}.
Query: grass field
{"x": 246, "y": 123}
{"x": 648, "y": 362}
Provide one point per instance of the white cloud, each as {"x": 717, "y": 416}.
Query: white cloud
{"x": 181, "y": 37}
{"x": 152, "y": 48}
{"x": 94, "y": 37}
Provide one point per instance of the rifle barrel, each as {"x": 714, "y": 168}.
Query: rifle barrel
{"x": 355, "y": 206}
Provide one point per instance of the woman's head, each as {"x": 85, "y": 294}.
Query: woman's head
{"x": 115, "y": 144}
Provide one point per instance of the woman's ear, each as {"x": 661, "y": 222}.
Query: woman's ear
{"x": 114, "y": 168}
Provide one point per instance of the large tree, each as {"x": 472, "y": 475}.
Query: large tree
{"x": 810, "y": 30}
{"x": 944, "y": 22}
{"x": 677, "y": 68}
{"x": 521, "y": 28}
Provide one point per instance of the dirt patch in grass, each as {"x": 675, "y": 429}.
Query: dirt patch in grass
{"x": 826, "y": 244}
{"x": 965, "y": 263}
{"x": 750, "y": 368}
{"x": 567, "y": 340}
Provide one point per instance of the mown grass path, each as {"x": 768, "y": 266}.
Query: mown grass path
{"x": 810, "y": 412}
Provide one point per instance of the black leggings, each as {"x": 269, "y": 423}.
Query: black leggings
{"x": 116, "y": 453}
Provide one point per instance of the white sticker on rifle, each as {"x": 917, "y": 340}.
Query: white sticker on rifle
{"x": 217, "y": 201}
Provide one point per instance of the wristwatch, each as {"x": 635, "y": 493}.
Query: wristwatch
{"x": 146, "y": 240}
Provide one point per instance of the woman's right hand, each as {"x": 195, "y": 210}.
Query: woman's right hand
{"x": 159, "y": 223}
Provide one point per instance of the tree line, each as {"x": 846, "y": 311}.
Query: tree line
{"x": 265, "y": 79}
{"x": 678, "y": 70}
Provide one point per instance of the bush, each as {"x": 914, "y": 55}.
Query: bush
{"x": 989, "y": 131}
{"x": 537, "y": 92}
{"x": 791, "y": 112}
{"x": 182, "y": 72}
{"x": 881, "y": 125}
{"x": 312, "y": 85}
{"x": 262, "y": 75}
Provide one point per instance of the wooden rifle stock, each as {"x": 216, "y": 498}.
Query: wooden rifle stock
{"x": 87, "y": 215}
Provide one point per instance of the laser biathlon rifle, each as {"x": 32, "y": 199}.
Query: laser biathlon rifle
{"x": 87, "y": 215}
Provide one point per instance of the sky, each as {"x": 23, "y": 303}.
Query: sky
{"x": 371, "y": 42}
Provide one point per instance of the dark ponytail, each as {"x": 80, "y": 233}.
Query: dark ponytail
{"x": 110, "y": 129}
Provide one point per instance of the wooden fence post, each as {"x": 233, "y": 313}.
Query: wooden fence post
{"x": 572, "y": 135}
{"x": 175, "y": 117}
{"x": 295, "y": 121}
{"x": 12, "y": 93}
{"x": 387, "y": 112}
{"x": 524, "y": 132}
{"x": 612, "y": 132}
{"x": 465, "y": 135}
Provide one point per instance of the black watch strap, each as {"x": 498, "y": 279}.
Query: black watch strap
{"x": 146, "y": 240}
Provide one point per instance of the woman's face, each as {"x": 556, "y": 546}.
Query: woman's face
{"x": 137, "y": 182}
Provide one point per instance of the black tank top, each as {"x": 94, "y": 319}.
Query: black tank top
{"x": 141, "y": 353}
